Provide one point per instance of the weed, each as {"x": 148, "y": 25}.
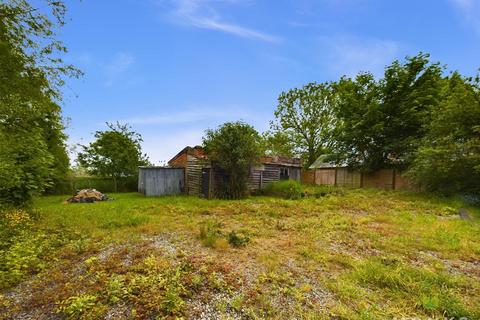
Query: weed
{"x": 348, "y": 254}
{"x": 116, "y": 289}
{"x": 429, "y": 291}
{"x": 238, "y": 240}
{"x": 287, "y": 189}
{"x": 209, "y": 233}
{"x": 78, "y": 307}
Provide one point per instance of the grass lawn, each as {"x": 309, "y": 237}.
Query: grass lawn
{"x": 352, "y": 254}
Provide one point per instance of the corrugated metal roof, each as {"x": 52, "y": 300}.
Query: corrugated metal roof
{"x": 322, "y": 163}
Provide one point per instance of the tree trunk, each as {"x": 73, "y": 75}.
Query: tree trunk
{"x": 115, "y": 188}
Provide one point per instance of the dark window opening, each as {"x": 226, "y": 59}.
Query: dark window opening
{"x": 284, "y": 174}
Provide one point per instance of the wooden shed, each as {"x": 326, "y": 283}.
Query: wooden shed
{"x": 159, "y": 181}
{"x": 202, "y": 177}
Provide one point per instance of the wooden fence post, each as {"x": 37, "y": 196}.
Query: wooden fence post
{"x": 393, "y": 179}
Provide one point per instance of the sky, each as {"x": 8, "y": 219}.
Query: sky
{"x": 174, "y": 68}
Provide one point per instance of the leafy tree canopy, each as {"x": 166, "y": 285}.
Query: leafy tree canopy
{"x": 448, "y": 158}
{"x": 305, "y": 116}
{"x": 32, "y": 142}
{"x": 115, "y": 153}
{"x": 278, "y": 143}
{"x": 381, "y": 122}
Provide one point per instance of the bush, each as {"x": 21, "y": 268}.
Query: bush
{"x": 287, "y": 189}
{"x": 233, "y": 147}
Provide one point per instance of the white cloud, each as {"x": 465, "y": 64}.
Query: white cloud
{"x": 470, "y": 11}
{"x": 203, "y": 14}
{"x": 117, "y": 66}
{"x": 348, "y": 55}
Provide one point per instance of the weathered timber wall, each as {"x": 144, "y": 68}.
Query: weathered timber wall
{"x": 342, "y": 177}
{"x": 381, "y": 179}
{"x": 348, "y": 178}
{"x": 308, "y": 177}
{"x": 193, "y": 173}
{"x": 157, "y": 181}
{"x": 324, "y": 176}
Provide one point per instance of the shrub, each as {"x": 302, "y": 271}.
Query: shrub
{"x": 234, "y": 147}
{"x": 287, "y": 189}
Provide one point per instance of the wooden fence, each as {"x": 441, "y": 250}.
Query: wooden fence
{"x": 344, "y": 177}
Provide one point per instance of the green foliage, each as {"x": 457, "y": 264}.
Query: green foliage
{"x": 115, "y": 153}
{"x": 23, "y": 248}
{"x": 433, "y": 292}
{"x": 305, "y": 116}
{"x": 32, "y": 142}
{"x": 237, "y": 240}
{"x": 209, "y": 233}
{"x": 70, "y": 186}
{"x": 78, "y": 307}
{"x": 154, "y": 270}
{"x": 287, "y": 189}
{"x": 278, "y": 143}
{"x": 381, "y": 122}
{"x": 235, "y": 147}
{"x": 448, "y": 159}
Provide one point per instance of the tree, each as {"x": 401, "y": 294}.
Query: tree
{"x": 278, "y": 143}
{"x": 32, "y": 142}
{"x": 115, "y": 153}
{"x": 448, "y": 159}
{"x": 305, "y": 116}
{"x": 234, "y": 147}
{"x": 381, "y": 123}
{"x": 25, "y": 161}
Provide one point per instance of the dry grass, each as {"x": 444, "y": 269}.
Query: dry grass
{"x": 355, "y": 254}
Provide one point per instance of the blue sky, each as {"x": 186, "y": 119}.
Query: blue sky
{"x": 173, "y": 68}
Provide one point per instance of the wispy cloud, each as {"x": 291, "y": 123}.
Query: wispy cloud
{"x": 203, "y": 14}
{"x": 470, "y": 10}
{"x": 196, "y": 115}
{"x": 117, "y": 66}
{"x": 347, "y": 55}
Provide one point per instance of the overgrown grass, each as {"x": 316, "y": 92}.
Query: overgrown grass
{"x": 287, "y": 189}
{"x": 333, "y": 253}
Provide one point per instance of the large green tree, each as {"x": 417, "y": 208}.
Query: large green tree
{"x": 32, "y": 143}
{"x": 305, "y": 116}
{"x": 115, "y": 153}
{"x": 380, "y": 123}
{"x": 234, "y": 147}
{"x": 448, "y": 159}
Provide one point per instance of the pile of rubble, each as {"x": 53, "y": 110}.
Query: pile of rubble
{"x": 88, "y": 196}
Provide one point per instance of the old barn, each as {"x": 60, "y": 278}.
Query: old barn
{"x": 202, "y": 177}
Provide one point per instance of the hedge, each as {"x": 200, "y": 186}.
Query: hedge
{"x": 70, "y": 186}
